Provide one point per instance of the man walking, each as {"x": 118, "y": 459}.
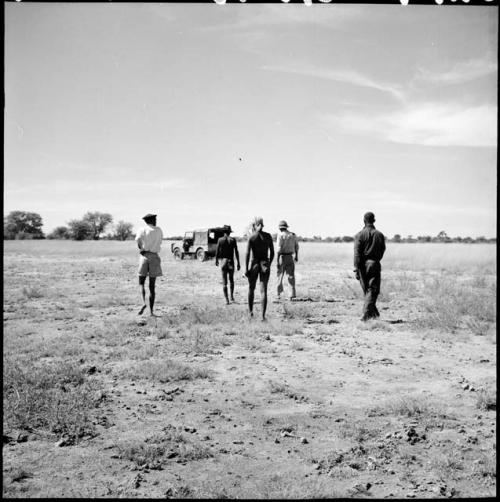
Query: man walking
{"x": 369, "y": 248}
{"x": 286, "y": 246}
{"x": 260, "y": 246}
{"x": 149, "y": 239}
{"x": 226, "y": 250}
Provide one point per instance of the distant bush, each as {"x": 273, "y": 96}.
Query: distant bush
{"x": 123, "y": 231}
{"x": 60, "y": 233}
{"x": 79, "y": 230}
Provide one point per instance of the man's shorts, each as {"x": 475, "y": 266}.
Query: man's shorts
{"x": 259, "y": 269}
{"x": 287, "y": 265}
{"x": 150, "y": 264}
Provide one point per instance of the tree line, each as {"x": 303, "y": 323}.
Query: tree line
{"x": 95, "y": 225}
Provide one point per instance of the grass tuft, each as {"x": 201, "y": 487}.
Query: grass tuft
{"x": 32, "y": 292}
{"x": 164, "y": 371}
{"x": 486, "y": 400}
{"x": 53, "y": 397}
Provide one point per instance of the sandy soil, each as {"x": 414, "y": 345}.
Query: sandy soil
{"x": 312, "y": 403}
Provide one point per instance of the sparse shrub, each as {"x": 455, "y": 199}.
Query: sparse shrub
{"x": 446, "y": 464}
{"x": 296, "y": 345}
{"x": 56, "y": 397}
{"x": 60, "y": 233}
{"x": 276, "y": 387}
{"x": 448, "y": 302}
{"x": 32, "y": 292}
{"x": 485, "y": 466}
{"x": 486, "y": 400}
{"x": 358, "y": 432}
{"x": 409, "y": 406}
{"x": 164, "y": 371}
{"x": 158, "y": 449}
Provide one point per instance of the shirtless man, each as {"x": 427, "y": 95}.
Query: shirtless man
{"x": 226, "y": 250}
{"x": 260, "y": 246}
{"x": 149, "y": 239}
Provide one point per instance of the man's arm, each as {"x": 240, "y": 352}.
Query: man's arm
{"x": 217, "y": 250}
{"x": 296, "y": 249}
{"x": 247, "y": 257}
{"x": 357, "y": 254}
{"x": 236, "y": 253}
{"x": 271, "y": 250}
{"x": 139, "y": 242}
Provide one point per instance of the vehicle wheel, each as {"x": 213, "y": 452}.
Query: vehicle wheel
{"x": 200, "y": 255}
{"x": 178, "y": 254}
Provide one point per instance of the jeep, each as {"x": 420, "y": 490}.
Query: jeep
{"x": 199, "y": 244}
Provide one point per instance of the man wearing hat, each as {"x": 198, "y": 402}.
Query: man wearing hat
{"x": 149, "y": 239}
{"x": 369, "y": 248}
{"x": 286, "y": 245}
{"x": 260, "y": 247}
{"x": 227, "y": 248}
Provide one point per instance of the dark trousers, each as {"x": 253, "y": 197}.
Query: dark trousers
{"x": 369, "y": 277}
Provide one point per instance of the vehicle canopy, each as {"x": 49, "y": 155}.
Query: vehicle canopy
{"x": 207, "y": 235}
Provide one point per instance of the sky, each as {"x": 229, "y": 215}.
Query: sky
{"x": 210, "y": 114}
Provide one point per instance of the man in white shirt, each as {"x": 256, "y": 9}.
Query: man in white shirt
{"x": 149, "y": 239}
{"x": 287, "y": 245}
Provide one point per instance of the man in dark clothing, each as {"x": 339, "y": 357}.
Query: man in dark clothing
{"x": 260, "y": 245}
{"x": 369, "y": 248}
{"x": 226, "y": 250}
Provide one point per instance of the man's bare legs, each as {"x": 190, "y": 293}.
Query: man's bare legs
{"x": 251, "y": 293}
{"x": 231, "y": 284}
{"x": 152, "y": 294}
{"x": 142, "y": 280}
{"x": 263, "y": 296}
{"x": 224, "y": 285}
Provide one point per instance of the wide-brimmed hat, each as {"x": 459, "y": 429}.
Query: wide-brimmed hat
{"x": 227, "y": 228}
{"x": 282, "y": 224}
{"x": 149, "y": 216}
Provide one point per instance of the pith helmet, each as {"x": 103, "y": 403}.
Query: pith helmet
{"x": 282, "y": 224}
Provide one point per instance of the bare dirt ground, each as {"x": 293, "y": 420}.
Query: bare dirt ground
{"x": 201, "y": 401}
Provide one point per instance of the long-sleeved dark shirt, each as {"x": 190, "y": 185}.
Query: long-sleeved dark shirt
{"x": 369, "y": 244}
{"x": 227, "y": 248}
{"x": 262, "y": 247}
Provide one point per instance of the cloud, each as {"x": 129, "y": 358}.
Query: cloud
{"x": 281, "y": 14}
{"x": 344, "y": 76}
{"x": 463, "y": 71}
{"x": 431, "y": 124}
{"x": 95, "y": 187}
{"x": 400, "y": 204}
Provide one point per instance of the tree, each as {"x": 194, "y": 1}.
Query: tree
{"x": 80, "y": 230}
{"x": 396, "y": 238}
{"x": 347, "y": 238}
{"x": 22, "y": 225}
{"x": 123, "y": 231}
{"x": 442, "y": 237}
{"x": 60, "y": 233}
{"x": 97, "y": 222}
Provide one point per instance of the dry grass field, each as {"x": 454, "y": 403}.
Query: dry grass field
{"x": 201, "y": 401}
